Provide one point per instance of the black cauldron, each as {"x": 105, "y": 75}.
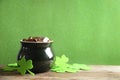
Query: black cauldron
{"x": 40, "y": 53}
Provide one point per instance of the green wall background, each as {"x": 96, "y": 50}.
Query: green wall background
{"x": 87, "y": 31}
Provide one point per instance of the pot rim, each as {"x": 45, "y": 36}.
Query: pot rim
{"x": 34, "y": 42}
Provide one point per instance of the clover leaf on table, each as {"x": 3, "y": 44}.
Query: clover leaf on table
{"x": 22, "y": 66}
{"x": 61, "y": 65}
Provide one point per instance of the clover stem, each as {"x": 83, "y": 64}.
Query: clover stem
{"x": 31, "y": 72}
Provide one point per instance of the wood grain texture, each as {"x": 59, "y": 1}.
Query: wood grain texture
{"x": 98, "y": 72}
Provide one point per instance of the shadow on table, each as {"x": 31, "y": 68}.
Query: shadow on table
{"x": 5, "y": 73}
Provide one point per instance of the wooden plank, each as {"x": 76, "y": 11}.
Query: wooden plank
{"x": 98, "y": 72}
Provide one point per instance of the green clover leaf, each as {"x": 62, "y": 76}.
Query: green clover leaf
{"x": 61, "y": 65}
{"x": 13, "y": 65}
{"x": 25, "y": 64}
{"x": 22, "y": 66}
{"x": 7, "y": 68}
{"x": 61, "y": 60}
{"x": 21, "y": 70}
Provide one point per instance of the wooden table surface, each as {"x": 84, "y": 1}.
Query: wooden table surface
{"x": 98, "y": 72}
